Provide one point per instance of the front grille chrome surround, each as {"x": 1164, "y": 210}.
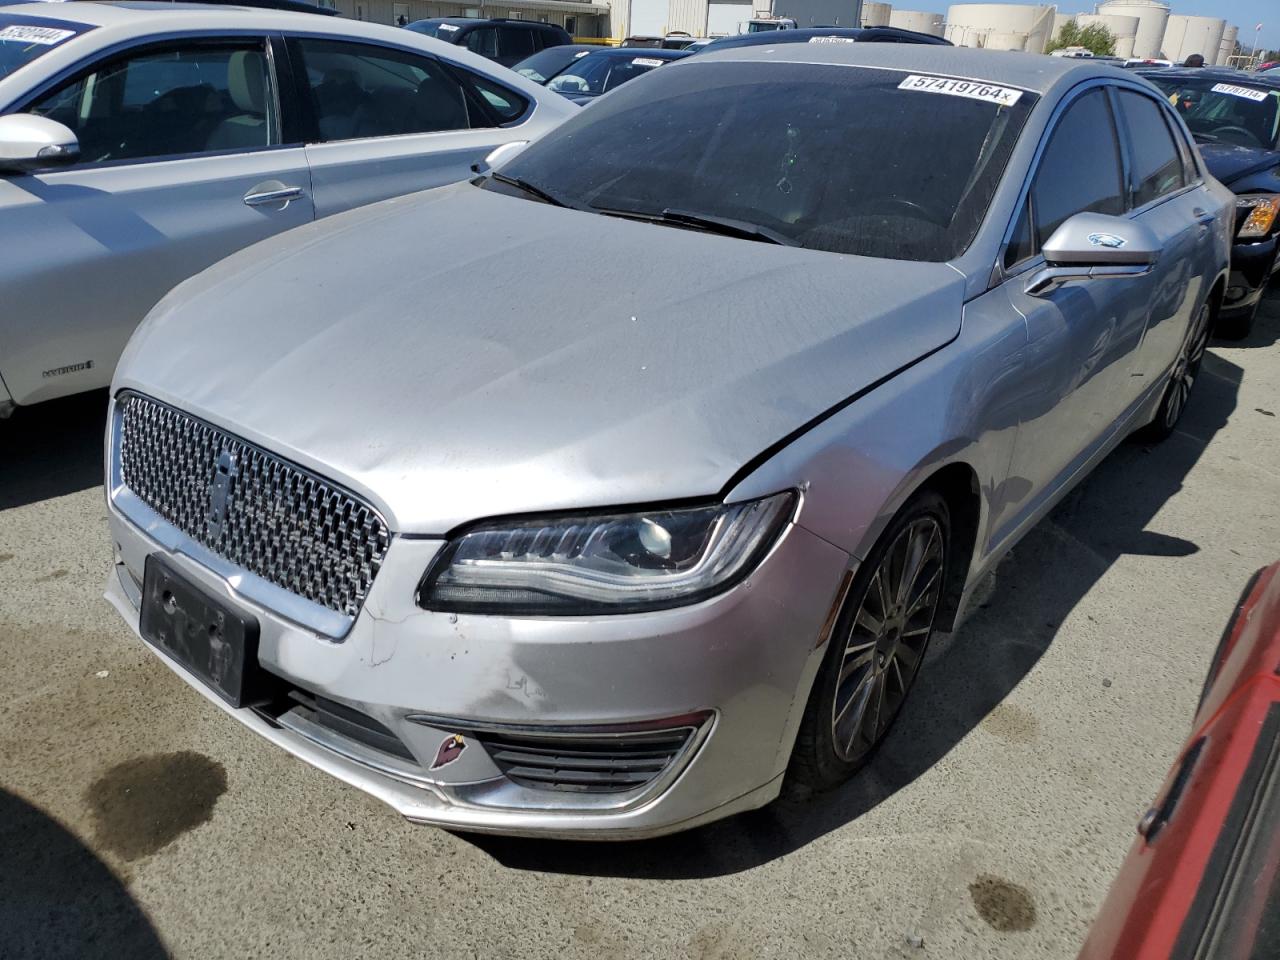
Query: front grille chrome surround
{"x": 259, "y": 512}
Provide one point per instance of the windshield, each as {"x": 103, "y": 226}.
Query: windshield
{"x": 1230, "y": 112}
{"x": 23, "y": 39}
{"x": 827, "y": 157}
{"x": 542, "y": 66}
{"x": 600, "y": 73}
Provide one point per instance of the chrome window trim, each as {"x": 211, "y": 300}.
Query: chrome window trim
{"x": 255, "y": 590}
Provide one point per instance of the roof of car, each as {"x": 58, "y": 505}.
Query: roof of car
{"x": 457, "y": 20}
{"x": 1028, "y": 71}
{"x": 804, "y": 34}
{"x": 105, "y": 13}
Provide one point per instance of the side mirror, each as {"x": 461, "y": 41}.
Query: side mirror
{"x": 497, "y": 157}
{"x": 28, "y": 142}
{"x": 1094, "y": 246}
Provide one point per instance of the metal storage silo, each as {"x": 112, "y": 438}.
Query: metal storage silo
{"x": 1228, "y": 49}
{"x": 876, "y": 14}
{"x": 1004, "y": 40}
{"x": 1185, "y": 35}
{"x": 973, "y": 24}
{"x": 918, "y": 21}
{"x": 1153, "y": 17}
{"x": 1123, "y": 29}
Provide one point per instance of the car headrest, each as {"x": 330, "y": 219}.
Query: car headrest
{"x": 246, "y": 81}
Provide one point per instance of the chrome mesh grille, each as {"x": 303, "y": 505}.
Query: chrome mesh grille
{"x": 274, "y": 519}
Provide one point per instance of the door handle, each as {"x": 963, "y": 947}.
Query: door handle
{"x": 267, "y": 194}
{"x": 1203, "y": 216}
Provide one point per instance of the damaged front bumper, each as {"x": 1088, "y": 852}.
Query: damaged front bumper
{"x": 589, "y": 727}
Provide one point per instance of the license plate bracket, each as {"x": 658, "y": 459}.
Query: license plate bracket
{"x": 202, "y": 632}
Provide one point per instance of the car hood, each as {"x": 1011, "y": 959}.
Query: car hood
{"x": 459, "y": 353}
{"x": 1229, "y": 162}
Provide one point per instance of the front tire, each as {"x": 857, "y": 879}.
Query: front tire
{"x": 877, "y": 646}
{"x": 1238, "y": 327}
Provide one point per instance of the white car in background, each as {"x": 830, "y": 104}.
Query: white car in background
{"x": 141, "y": 143}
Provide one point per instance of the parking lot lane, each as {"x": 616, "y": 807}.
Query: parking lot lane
{"x": 991, "y": 824}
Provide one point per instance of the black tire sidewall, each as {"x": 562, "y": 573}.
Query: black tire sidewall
{"x": 815, "y": 762}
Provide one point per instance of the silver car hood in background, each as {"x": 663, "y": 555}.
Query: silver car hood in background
{"x": 459, "y": 354}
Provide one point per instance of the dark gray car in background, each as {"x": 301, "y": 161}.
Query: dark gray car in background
{"x": 519, "y": 559}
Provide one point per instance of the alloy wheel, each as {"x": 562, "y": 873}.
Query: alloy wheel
{"x": 1187, "y": 369}
{"x": 886, "y": 639}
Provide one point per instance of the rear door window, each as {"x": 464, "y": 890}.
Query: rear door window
{"x": 1158, "y": 169}
{"x": 516, "y": 43}
{"x": 358, "y": 91}
{"x": 484, "y": 41}
{"x": 503, "y": 105}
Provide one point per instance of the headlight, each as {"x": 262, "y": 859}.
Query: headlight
{"x": 1256, "y": 215}
{"x": 610, "y": 563}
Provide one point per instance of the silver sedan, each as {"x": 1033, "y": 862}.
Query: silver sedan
{"x": 140, "y": 143}
{"x": 516, "y": 556}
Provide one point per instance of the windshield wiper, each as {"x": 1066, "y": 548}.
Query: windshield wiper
{"x": 535, "y": 192}
{"x": 727, "y": 226}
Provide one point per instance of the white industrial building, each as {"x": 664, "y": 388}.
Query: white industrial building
{"x": 1001, "y": 26}
{"x": 920, "y": 22}
{"x": 1124, "y": 30}
{"x": 1152, "y": 16}
{"x": 713, "y": 18}
{"x": 582, "y": 18}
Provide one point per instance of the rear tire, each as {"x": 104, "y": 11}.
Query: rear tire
{"x": 877, "y": 646}
{"x": 1186, "y": 370}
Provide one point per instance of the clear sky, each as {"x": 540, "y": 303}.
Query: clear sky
{"x": 1246, "y": 14}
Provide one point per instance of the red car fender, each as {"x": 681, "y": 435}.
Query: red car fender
{"x": 1161, "y": 904}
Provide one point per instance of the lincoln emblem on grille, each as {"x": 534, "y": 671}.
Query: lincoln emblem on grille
{"x": 224, "y": 476}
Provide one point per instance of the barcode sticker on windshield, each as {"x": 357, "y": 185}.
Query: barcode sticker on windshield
{"x": 971, "y": 89}
{"x": 831, "y": 40}
{"x": 1247, "y": 92}
{"x": 448, "y": 26}
{"x": 46, "y": 36}
{"x": 647, "y": 62}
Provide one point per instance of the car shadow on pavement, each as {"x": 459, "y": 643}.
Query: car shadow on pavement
{"x": 966, "y": 675}
{"x": 1266, "y": 327}
{"x": 58, "y": 900}
{"x": 52, "y": 449}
